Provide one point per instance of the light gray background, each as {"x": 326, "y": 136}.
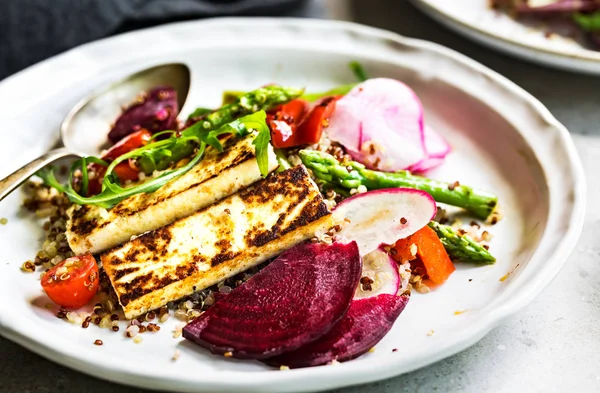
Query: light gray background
{"x": 553, "y": 345}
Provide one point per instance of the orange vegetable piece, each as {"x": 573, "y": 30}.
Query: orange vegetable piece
{"x": 430, "y": 251}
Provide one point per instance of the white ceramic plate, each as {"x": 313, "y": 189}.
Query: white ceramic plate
{"x": 474, "y": 19}
{"x": 504, "y": 140}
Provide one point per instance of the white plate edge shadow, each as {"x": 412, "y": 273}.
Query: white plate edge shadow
{"x": 352, "y": 372}
{"x": 584, "y": 61}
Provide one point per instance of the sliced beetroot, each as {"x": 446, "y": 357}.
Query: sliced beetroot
{"x": 367, "y": 321}
{"x": 293, "y": 301}
{"x": 155, "y": 111}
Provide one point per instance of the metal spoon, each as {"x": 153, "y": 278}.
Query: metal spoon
{"x": 85, "y": 128}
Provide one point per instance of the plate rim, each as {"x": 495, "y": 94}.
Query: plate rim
{"x": 588, "y": 59}
{"x": 350, "y": 373}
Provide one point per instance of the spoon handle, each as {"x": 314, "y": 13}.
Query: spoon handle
{"x": 14, "y": 180}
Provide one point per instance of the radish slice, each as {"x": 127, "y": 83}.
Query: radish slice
{"x": 293, "y": 301}
{"x": 382, "y": 271}
{"x": 435, "y": 144}
{"x": 366, "y": 323}
{"x": 383, "y": 216}
{"x": 437, "y": 149}
{"x": 380, "y": 123}
{"x": 426, "y": 165}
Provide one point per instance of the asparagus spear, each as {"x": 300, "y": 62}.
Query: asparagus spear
{"x": 326, "y": 167}
{"x": 263, "y": 98}
{"x": 461, "y": 248}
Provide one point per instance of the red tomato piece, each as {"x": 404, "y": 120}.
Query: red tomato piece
{"x": 127, "y": 144}
{"x": 293, "y": 125}
{"x": 284, "y": 122}
{"x": 125, "y": 170}
{"x": 73, "y": 282}
{"x": 311, "y": 129}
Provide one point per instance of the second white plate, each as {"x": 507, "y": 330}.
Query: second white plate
{"x": 476, "y": 20}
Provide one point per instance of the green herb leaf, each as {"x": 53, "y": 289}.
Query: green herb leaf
{"x": 282, "y": 160}
{"x": 359, "y": 71}
{"x": 112, "y": 193}
{"x": 193, "y": 139}
{"x": 258, "y": 122}
{"x": 336, "y": 91}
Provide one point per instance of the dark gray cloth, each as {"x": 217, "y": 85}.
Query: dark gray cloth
{"x": 32, "y": 30}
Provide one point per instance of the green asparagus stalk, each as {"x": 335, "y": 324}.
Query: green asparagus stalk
{"x": 461, "y": 248}
{"x": 263, "y": 98}
{"x": 231, "y": 95}
{"x": 324, "y": 166}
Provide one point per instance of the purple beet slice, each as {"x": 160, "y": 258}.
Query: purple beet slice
{"x": 155, "y": 111}
{"x": 367, "y": 321}
{"x": 293, "y": 301}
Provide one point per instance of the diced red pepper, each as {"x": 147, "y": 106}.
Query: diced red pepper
{"x": 426, "y": 252}
{"x": 311, "y": 128}
{"x": 294, "y": 125}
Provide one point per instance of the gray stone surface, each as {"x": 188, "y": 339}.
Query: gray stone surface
{"x": 553, "y": 345}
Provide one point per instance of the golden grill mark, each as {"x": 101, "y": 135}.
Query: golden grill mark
{"x": 222, "y": 257}
{"x": 123, "y": 272}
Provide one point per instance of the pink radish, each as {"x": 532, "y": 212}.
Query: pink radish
{"x": 380, "y": 275}
{"x": 383, "y": 216}
{"x": 293, "y": 301}
{"x": 380, "y": 123}
{"x": 436, "y": 145}
{"x": 368, "y": 320}
{"x": 437, "y": 149}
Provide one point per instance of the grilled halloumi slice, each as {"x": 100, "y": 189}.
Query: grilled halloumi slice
{"x": 94, "y": 229}
{"x": 217, "y": 242}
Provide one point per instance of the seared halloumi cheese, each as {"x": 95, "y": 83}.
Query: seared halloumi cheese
{"x": 217, "y": 242}
{"x": 94, "y": 229}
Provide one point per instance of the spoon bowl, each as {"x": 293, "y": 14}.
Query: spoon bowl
{"x": 86, "y": 126}
{"x": 84, "y": 130}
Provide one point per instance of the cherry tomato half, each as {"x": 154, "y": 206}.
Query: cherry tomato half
{"x": 73, "y": 282}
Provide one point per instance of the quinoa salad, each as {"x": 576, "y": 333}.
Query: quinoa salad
{"x": 226, "y": 219}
